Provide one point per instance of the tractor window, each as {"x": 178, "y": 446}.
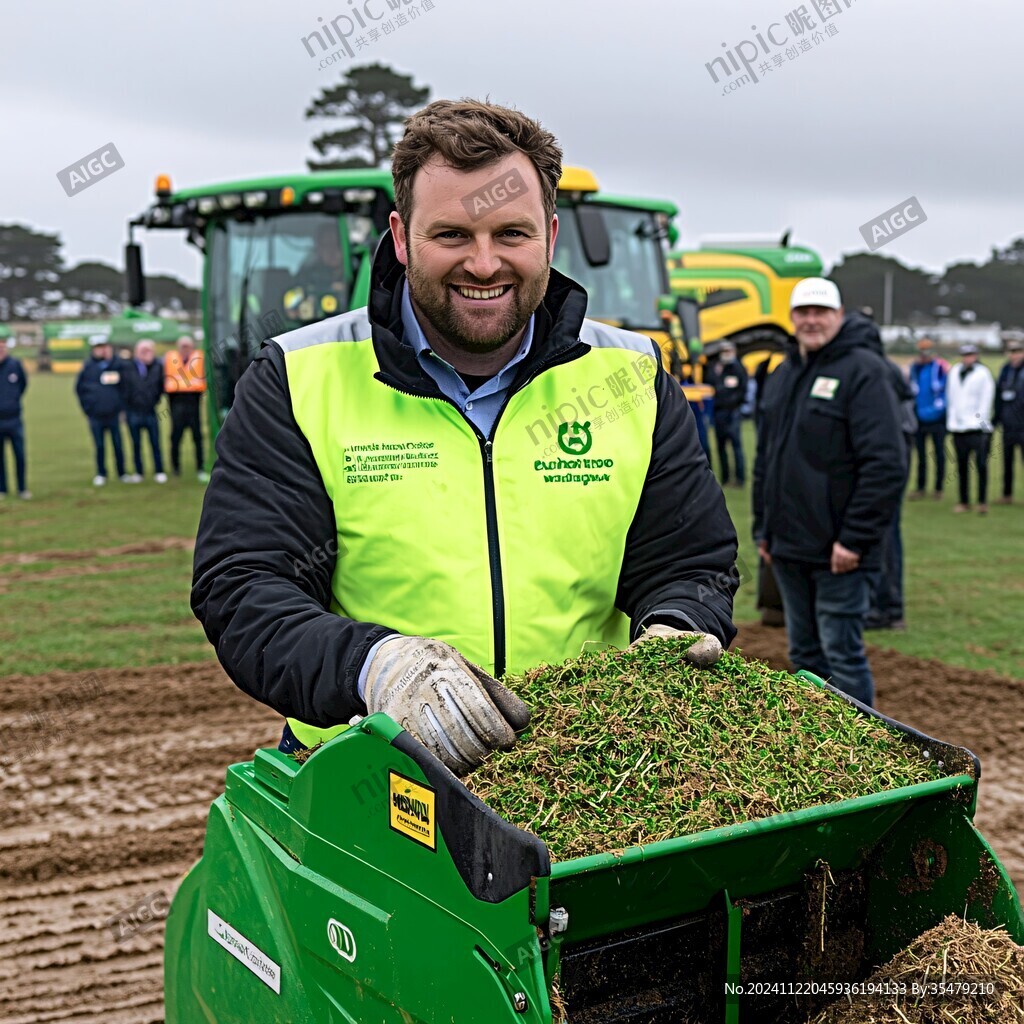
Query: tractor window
{"x": 628, "y": 287}
{"x": 268, "y": 276}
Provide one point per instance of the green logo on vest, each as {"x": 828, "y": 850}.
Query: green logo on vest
{"x": 574, "y": 438}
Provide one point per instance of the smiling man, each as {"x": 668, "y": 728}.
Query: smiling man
{"x": 381, "y": 531}
{"x": 827, "y": 480}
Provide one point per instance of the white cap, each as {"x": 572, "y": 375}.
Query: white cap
{"x": 815, "y": 291}
{"x": 98, "y": 339}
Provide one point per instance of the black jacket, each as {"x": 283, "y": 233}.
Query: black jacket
{"x": 906, "y": 402}
{"x": 142, "y": 391}
{"x": 266, "y": 509}
{"x": 1010, "y": 410}
{"x": 101, "y": 388}
{"x": 12, "y": 386}
{"x": 830, "y": 452}
{"x": 730, "y": 383}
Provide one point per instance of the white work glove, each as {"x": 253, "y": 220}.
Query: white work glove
{"x": 454, "y": 708}
{"x": 703, "y": 653}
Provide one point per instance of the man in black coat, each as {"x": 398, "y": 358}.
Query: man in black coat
{"x": 729, "y": 380}
{"x": 1010, "y": 413}
{"x": 100, "y": 390}
{"x": 827, "y": 480}
{"x": 144, "y": 387}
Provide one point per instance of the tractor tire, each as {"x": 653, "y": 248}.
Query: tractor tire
{"x": 759, "y": 339}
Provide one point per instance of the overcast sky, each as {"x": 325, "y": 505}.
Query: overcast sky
{"x": 902, "y": 99}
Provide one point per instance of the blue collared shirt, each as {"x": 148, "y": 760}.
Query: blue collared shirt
{"x": 480, "y": 407}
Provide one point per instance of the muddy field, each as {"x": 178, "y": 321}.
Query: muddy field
{"x": 106, "y": 781}
{"x": 103, "y": 816}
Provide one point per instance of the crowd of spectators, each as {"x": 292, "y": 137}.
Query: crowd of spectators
{"x": 116, "y": 391}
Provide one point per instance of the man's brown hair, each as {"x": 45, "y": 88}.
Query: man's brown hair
{"x": 467, "y": 135}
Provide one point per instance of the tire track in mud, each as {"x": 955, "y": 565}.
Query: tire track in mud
{"x": 105, "y": 783}
{"x": 146, "y": 547}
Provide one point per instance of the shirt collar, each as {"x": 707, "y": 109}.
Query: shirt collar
{"x": 429, "y": 359}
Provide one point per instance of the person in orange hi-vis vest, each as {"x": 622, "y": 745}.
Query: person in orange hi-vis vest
{"x": 185, "y": 385}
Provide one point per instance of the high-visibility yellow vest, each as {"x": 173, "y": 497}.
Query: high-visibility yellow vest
{"x": 509, "y": 550}
{"x": 180, "y": 377}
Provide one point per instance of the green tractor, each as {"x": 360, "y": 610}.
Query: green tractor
{"x": 742, "y": 288}
{"x": 283, "y": 252}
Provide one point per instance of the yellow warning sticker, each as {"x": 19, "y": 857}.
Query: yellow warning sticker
{"x": 411, "y": 807}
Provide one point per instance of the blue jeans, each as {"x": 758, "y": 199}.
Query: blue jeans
{"x": 727, "y": 432}
{"x": 12, "y": 430}
{"x": 700, "y": 417}
{"x": 937, "y": 432}
{"x": 110, "y": 425}
{"x": 1012, "y": 440}
{"x": 137, "y": 423}
{"x": 825, "y": 625}
{"x": 886, "y": 583}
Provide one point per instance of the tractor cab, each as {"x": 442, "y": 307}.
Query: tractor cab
{"x": 279, "y": 253}
{"x": 286, "y": 251}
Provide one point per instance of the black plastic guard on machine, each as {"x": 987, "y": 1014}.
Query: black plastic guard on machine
{"x": 494, "y": 858}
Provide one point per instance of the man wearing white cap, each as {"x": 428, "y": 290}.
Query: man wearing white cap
{"x": 827, "y": 482}
{"x": 970, "y": 392}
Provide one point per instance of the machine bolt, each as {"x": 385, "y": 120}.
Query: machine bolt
{"x": 520, "y": 1002}
{"x": 558, "y": 920}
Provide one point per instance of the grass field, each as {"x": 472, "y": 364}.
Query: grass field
{"x": 93, "y": 610}
{"x": 72, "y": 598}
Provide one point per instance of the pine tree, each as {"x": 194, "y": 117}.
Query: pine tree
{"x": 375, "y": 100}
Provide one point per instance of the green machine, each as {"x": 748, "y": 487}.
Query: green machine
{"x": 368, "y": 885}
{"x": 743, "y": 289}
{"x": 68, "y": 342}
{"x": 285, "y": 251}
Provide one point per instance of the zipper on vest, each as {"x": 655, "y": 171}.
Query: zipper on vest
{"x": 497, "y": 586}
{"x": 494, "y": 554}
{"x": 565, "y": 355}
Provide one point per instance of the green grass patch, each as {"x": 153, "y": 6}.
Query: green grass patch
{"x": 68, "y": 605}
{"x": 124, "y": 611}
{"x": 964, "y": 586}
{"x": 628, "y": 748}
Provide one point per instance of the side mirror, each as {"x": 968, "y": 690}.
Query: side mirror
{"x": 688, "y": 312}
{"x": 135, "y": 280}
{"x": 597, "y": 245}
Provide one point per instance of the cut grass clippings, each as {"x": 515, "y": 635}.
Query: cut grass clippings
{"x": 958, "y": 954}
{"x": 632, "y": 747}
